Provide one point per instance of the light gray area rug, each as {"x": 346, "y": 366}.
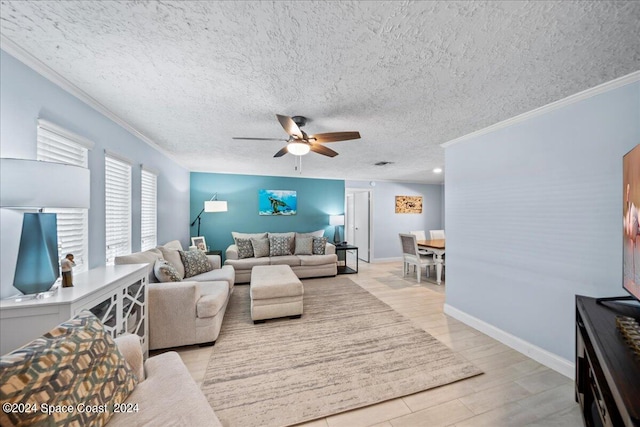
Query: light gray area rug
{"x": 348, "y": 350}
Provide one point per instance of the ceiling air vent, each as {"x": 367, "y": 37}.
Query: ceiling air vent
{"x": 383, "y": 163}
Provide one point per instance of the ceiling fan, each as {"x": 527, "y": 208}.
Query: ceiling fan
{"x": 299, "y": 143}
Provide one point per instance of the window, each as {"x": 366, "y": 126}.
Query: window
{"x": 55, "y": 144}
{"x": 117, "y": 206}
{"x": 149, "y": 196}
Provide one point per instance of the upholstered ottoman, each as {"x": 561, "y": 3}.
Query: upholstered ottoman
{"x": 275, "y": 292}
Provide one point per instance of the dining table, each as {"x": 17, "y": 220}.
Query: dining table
{"x": 437, "y": 246}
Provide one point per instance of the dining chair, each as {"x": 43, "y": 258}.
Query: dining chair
{"x": 420, "y": 235}
{"x": 436, "y": 234}
{"x": 411, "y": 256}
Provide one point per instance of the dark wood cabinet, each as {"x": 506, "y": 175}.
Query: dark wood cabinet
{"x": 607, "y": 370}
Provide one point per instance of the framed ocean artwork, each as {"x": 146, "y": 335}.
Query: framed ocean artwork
{"x": 277, "y": 202}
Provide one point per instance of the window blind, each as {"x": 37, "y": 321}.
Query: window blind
{"x": 149, "y": 184}
{"x": 117, "y": 207}
{"x": 55, "y": 144}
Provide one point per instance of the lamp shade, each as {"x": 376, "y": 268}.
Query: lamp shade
{"x": 35, "y": 184}
{"x": 215, "y": 206}
{"x": 336, "y": 220}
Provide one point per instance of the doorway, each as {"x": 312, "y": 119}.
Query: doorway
{"x": 358, "y": 220}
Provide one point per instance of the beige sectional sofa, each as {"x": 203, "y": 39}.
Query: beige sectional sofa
{"x": 188, "y": 311}
{"x": 303, "y": 264}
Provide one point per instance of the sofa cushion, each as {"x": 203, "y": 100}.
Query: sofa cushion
{"x": 292, "y": 240}
{"x": 171, "y": 254}
{"x": 226, "y": 273}
{"x": 146, "y": 257}
{"x": 237, "y": 235}
{"x": 280, "y": 245}
{"x": 245, "y": 248}
{"x": 214, "y": 295}
{"x": 260, "y": 247}
{"x": 76, "y": 362}
{"x": 319, "y": 244}
{"x": 247, "y": 264}
{"x": 318, "y": 233}
{"x": 291, "y": 260}
{"x": 165, "y": 272}
{"x": 195, "y": 262}
{"x": 174, "y": 244}
{"x": 318, "y": 259}
{"x": 159, "y": 402}
{"x": 304, "y": 245}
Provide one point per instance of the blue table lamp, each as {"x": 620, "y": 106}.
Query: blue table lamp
{"x": 29, "y": 185}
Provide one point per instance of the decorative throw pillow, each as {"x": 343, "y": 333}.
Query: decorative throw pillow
{"x": 304, "y": 246}
{"x": 76, "y": 362}
{"x": 279, "y": 245}
{"x": 195, "y": 262}
{"x": 319, "y": 243}
{"x": 245, "y": 249}
{"x": 165, "y": 272}
{"x": 260, "y": 247}
{"x": 292, "y": 239}
{"x": 318, "y": 233}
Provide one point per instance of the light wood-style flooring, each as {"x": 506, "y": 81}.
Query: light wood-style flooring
{"x": 513, "y": 391}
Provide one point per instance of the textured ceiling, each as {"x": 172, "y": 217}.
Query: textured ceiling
{"x": 408, "y": 75}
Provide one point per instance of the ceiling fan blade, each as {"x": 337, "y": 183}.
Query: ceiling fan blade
{"x": 321, "y": 149}
{"x": 334, "y": 136}
{"x": 282, "y": 152}
{"x": 259, "y": 139}
{"x": 290, "y": 126}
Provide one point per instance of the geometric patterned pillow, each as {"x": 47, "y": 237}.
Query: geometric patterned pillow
{"x": 319, "y": 244}
{"x": 165, "y": 272}
{"x": 195, "y": 262}
{"x": 245, "y": 248}
{"x": 279, "y": 245}
{"x": 76, "y": 363}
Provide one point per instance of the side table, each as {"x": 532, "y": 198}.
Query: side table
{"x": 344, "y": 249}
{"x": 215, "y": 252}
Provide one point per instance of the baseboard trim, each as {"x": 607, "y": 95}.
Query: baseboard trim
{"x": 550, "y": 360}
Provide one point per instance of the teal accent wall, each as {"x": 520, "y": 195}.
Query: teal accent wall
{"x": 317, "y": 199}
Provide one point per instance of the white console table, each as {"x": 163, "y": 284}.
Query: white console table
{"x": 116, "y": 294}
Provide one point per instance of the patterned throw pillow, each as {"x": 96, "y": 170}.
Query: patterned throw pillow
{"x": 76, "y": 362}
{"x": 195, "y": 262}
{"x": 260, "y": 247}
{"x": 304, "y": 245}
{"x": 319, "y": 243}
{"x": 279, "y": 246}
{"x": 165, "y": 272}
{"x": 245, "y": 248}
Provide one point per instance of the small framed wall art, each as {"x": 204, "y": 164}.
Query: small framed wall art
{"x": 409, "y": 204}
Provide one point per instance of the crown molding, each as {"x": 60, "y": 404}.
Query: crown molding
{"x": 580, "y": 96}
{"x": 53, "y": 76}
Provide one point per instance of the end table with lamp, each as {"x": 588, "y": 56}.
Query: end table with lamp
{"x": 344, "y": 249}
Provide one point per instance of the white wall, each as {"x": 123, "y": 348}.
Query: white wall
{"x": 534, "y": 214}
{"x": 387, "y": 224}
{"x": 26, "y": 96}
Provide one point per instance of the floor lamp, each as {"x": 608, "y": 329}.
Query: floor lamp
{"x": 35, "y": 185}
{"x": 212, "y": 205}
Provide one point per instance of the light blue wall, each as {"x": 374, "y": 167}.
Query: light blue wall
{"x": 317, "y": 199}
{"x": 26, "y": 96}
{"x": 534, "y": 214}
{"x": 387, "y": 224}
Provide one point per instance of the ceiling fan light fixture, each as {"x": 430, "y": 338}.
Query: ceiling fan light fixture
{"x": 298, "y": 148}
